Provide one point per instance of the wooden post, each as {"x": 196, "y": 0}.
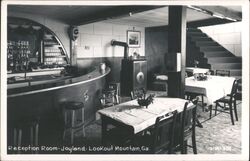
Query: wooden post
{"x": 177, "y": 44}
{"x": 73, "y": 53}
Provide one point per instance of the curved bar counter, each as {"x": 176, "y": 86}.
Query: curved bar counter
{"x": 45, "y": 100}
{"x": 52, "y": 82}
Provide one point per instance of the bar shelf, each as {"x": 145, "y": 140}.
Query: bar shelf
{"x": 33, "y": 50}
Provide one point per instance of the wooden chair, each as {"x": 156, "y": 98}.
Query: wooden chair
{"x": 229, "y": 100}
{"x": 188, "y": 127}
{"x": 116, "y": 87}
{"x": 161, "y": 138}
{"x": 137, "y": 93}
{"x": 110, "y": 96}
{"x": 190, "y": 96}
{"x": 223, "y": 73}
{"x": 185, "y": 129}
{"x": 239, "y": 90}
{"x": 160, "y": 82}
{"x": 116, "y": 135}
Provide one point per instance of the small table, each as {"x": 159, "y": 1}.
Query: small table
{"x": 134, "y": 118}
{"x": 196, "y": 70}
{"x": 214, "y": 88}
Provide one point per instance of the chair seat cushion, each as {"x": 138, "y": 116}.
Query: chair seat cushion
{"x": 161, "y": 77}
{"x": 225, "y": 99}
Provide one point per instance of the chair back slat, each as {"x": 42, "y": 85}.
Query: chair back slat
{"x": 114, "y": 86}
{"x": 234, "y": 89}
{"x": 110, "y": 96}
{"x": 164, "y": 132}
{"x": 186, "y": 118}
{"x": 189, "y": 114}
{"x": 188, "y": 121}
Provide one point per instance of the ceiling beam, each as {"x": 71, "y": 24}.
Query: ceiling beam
{"x": 223, "y": 12}
{"x": 113, "y": 13}
{"x": 207, "y": 22}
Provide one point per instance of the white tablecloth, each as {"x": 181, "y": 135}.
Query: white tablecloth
{"x": 196, "y": 70}
{"x": 130, "y": 113}
{"x": 213, "y": 88}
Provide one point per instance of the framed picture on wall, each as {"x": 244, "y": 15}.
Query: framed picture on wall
{"x": 133, "y": 38}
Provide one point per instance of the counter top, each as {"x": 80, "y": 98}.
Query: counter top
{"x": 50, "y": 82}
{"x": 48, "y": 71}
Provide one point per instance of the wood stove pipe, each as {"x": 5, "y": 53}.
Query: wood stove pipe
{"x": 124, "y": 44}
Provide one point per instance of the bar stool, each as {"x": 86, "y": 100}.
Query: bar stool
{"x": 73, "y": 114}
{"x": 22, "y": 127}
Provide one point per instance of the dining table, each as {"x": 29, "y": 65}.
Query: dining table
{"x": 214, "y": 87}
{"x": 134, "y": 118}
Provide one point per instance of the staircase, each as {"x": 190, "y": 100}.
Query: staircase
{"x": 211, "y": 54}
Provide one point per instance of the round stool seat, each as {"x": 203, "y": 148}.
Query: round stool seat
{"x": 72, "y": 105}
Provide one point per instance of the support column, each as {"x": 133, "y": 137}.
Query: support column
{"x": 176, "y": 44}
{"x": 73, "y": 53}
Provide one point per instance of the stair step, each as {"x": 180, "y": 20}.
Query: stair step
{"x": 209, "y": 54}
{"x": 226, "y": 66}
{"x": 201, "y": 34}
{"x": 212, "y": 48}
{"x": 235, "y": 72}
{"x": 206, "y": 43}
{"x": 199, "y": 38}
{"x": 193, "y": 30}
{"x": 224, "y": 60}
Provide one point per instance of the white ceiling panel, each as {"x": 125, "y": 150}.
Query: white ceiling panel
{"x": 149, "y": 18}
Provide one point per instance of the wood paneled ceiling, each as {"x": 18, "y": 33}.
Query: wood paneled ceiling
{"x": 141, "y": 16}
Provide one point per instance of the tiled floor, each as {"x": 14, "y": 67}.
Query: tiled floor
{"x": 219, "y": 136}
